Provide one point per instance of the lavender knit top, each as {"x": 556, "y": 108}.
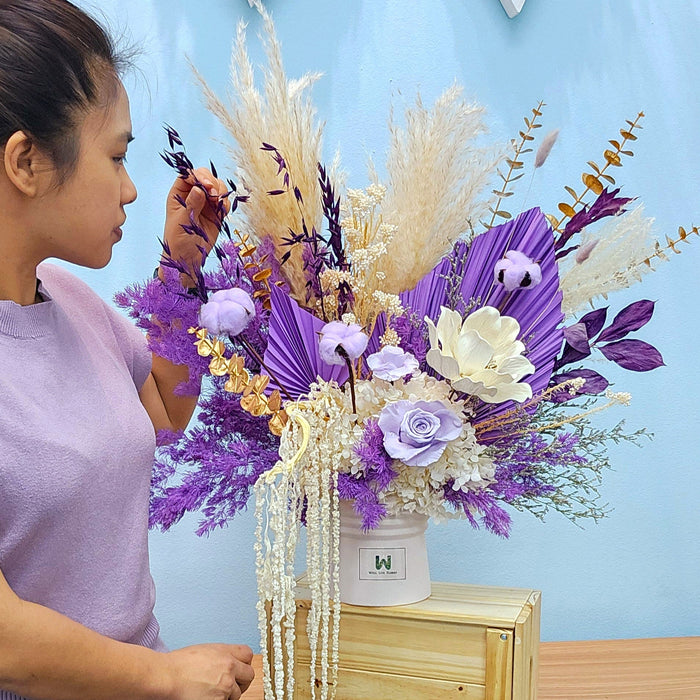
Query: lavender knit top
{"x": 76, "y": 451}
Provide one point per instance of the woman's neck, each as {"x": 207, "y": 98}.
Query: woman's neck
{"x": 17, "y": 273}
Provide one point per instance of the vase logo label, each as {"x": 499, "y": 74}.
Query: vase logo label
{"x": 386, "y": 563}
{"x": 382, "y": 564}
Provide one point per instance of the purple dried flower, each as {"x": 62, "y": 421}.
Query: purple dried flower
{"x": 392, "y": 363}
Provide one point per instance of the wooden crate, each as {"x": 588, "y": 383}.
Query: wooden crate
{"x": 467, "y": 642}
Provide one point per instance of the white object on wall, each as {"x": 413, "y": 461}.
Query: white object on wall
{"x": 512, "y": 7}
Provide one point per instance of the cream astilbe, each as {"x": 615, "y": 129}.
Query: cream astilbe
{"x": 614, "y": 263}
{"x": 436, "y": 178}
{"x": 283, "y": 116}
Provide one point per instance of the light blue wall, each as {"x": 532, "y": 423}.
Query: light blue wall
{"x": 595, "y": 63}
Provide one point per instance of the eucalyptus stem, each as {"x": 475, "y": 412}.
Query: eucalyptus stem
{"x": 256, "y": 355}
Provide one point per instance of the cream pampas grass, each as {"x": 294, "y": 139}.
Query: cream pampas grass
{"x": 614, "y": 262}
{"x": 281, "y": 115}
{"x": 437, "y": 175}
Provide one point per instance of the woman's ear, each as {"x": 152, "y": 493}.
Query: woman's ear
{"x": 25, "y": 165}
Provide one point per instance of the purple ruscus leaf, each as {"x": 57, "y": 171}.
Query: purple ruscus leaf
{"x": 635, "y": 355}
{"x": 607, "y": 204}
{"x": 595, "y": 384}
{"x": 576, "y": 336}
{"x": 579, "y": 336}
{"x": 594, "y": 321}
{"x": 631, "y": 318}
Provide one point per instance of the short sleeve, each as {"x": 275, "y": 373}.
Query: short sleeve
{"x": 132, "y": 342}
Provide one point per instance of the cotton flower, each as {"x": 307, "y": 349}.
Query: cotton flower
{"x": 228, "y": 311}
{"x": 480, "y": 355}
{"x": 337, "y": 334}
{"x": 392, "y": 363}
{"x": 516, "y": 270}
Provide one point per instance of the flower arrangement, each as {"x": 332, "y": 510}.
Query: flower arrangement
{"x": 408, "y": 347}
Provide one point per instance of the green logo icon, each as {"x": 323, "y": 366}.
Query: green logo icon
{"x": 379, "y": 563}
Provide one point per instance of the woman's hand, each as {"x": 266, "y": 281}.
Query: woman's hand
{"x": 211, "y": 671}
{"x": 202, "y": 194}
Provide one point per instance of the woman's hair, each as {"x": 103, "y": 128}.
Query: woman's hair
{"x": 55, "y": 62}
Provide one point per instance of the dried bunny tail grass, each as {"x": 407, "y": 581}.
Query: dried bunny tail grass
{"x": 613, "y": 263}
{"x": 281, "y": 115}
{"x": 436, "y": 176}
{"x": 546, "y": 148}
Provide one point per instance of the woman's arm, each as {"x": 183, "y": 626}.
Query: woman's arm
{"x": 46, "y": 655}
{"x": 166, "y": 409}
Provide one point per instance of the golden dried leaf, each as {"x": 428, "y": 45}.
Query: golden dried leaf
{"x": 612, "y": 158}
{"x": 592, "y": 182}
{"x": 503, "y": 214}
{"x": 260, "y": 383}
{"x": 204, "y": 347}
{"x": 248, "y": 265}
{"x": 260, "y": 293}
{"x": 254, "y": 405}
{"x": 627, "y": 153}
{"x": 277, "y": 423}
{"x": 552, "y": 220}
{"x": 515, "y": 164}
{"x": 566, "y": 209}
{"x": 218, "y": 366}
{"x": 262, "y": 275}
{"x": 596, "y": 169}
{"x": 248, "y": 252}
{"x": 609, "y": 178}
{"x": 201, "y": 333}
{"x": 218, "y": 348}
{"x": 502, "y": 193}
{"x": 616, "y": 144}
{"x": 628, "y": 135}
{"x": 682, "y": 233}
{"x": 274, "y": 401}
{"x": 571, "y": 191}
{"x": 236, "y": 383}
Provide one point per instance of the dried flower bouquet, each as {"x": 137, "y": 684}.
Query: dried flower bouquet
{"x": 410, "y": 347}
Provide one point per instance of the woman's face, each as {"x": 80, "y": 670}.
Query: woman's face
{"x": 87, "y": 211}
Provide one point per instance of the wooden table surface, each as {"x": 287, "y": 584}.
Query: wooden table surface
{"x": 622, "y": 669}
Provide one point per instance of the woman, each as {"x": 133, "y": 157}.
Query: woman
{"x": 80, "y": 395}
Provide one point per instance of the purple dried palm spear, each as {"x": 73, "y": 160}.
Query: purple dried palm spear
{"x": 537, "y": 310}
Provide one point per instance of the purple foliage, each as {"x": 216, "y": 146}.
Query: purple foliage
{"x": 377, "y": 475}
{"x": 607, "y": 204}
{"x": 219, "y": 461}
{"x": 492, "y": 515}
{"x": 631, "y": 318}
{"x": 412, "y": 335}
{"x": 595, "y": 384}
{"x": 518, "y": 462}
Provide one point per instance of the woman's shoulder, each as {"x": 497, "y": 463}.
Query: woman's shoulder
{"x": 61, "y": 284}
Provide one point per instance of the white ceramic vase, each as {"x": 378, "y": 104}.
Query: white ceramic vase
{"x": 384, "y": 566}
